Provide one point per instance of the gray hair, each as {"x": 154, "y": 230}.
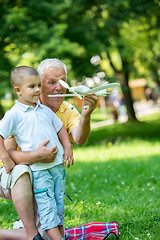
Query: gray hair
{"x": 49, "y": 63}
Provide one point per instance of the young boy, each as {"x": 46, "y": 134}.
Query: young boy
{"x": 31, "y": 123}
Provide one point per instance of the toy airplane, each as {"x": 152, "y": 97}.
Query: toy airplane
{"x": 82, "y": 90}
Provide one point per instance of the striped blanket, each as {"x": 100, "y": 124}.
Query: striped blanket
{"x": 92, "y": 230}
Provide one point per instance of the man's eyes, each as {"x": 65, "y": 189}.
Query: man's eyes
{"x": 52, "y": 82}
{"x": 55, "y": 81}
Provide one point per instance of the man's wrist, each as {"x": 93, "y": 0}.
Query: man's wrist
{"x": 34, "y": 156}
{"x": 85, "y": 117}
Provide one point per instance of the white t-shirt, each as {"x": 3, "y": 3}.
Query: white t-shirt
{"x": 31, "y": 126}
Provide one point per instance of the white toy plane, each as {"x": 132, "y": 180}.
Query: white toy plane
{"x": 82, "y": 90}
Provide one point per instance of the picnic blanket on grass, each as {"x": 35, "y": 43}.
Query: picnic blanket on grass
{"x": 92, "y": 230}
{"x": 88, "y": 231}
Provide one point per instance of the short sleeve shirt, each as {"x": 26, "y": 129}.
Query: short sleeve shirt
{"x": 30, "y": 127}
{"x": 69, "y": 116}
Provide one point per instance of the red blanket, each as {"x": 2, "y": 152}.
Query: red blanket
{"x": 93, "y": 230}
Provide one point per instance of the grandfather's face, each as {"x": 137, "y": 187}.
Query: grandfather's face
{"x": 51, "y": 86}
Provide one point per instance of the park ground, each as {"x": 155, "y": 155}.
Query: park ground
{"x": 115, "y": 178}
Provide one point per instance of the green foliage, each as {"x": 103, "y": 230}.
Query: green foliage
{"x": 71, "y": 29}
{"x": 125, "y": 34}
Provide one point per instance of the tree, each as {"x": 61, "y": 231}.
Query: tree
{"x": 75, "y": 31}
{"x": 100, "y": 30}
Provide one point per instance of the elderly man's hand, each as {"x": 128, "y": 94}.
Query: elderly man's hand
{"x": 44, "y": 154}
{"x": 91, "y": 102}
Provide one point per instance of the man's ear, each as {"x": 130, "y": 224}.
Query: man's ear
{"x": 17, "y": 90}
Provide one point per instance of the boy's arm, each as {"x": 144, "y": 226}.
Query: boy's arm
{"x": 68, "y": 152}
{"x": 7, "y": 161}
{"x": 41, "y": 154}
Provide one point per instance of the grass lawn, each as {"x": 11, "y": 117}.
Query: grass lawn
{"x": 115, "y": 178}
{"x": 116, "y": 182}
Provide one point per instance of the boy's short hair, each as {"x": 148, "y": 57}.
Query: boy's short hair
{"x": 17, "y": 74}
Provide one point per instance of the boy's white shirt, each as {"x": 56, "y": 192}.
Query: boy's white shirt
{"x": 31, "y": 126}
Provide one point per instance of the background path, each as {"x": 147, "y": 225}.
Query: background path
{"x": 141, "y": 109}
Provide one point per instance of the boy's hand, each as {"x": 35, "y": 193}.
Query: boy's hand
{"x": 68, "y": 156}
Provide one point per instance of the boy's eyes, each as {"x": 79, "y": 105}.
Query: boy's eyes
{"x": 32, "y": 86}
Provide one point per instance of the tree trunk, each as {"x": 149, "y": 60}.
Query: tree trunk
{"x": 123, "y": 78}
{"x": 154, "y": 69}
{"x": 129, "y": 103}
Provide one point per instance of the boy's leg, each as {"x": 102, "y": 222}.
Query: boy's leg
{"x": 44, "y": 185}
{"x": 18, "y": 224}
{"x": 59, "y": 193}
{"x": 61, "y": 229}
{"x": 54, "y": 233}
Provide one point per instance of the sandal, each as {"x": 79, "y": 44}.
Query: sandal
{"x": 38, "y": 237}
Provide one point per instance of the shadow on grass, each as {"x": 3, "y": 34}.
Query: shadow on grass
{"x": 124, "y": 131}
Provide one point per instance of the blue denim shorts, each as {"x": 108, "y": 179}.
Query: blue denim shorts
{"x": 49, "y": 191}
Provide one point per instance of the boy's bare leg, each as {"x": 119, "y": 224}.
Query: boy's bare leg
{"x": 22, "y": 197}
{"x": 61, "y": 229}
{"x": 54, "y": 233}
{"x": 13, "y": 234}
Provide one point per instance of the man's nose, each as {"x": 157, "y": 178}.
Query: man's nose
{"x": 58, "y": 86}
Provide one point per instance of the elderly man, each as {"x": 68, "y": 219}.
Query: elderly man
{"x": 78, "y": 128}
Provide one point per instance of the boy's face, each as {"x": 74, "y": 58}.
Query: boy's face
{"x": 29, "y": 91}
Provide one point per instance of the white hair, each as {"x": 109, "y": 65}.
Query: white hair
{"x": 49, "y": 63}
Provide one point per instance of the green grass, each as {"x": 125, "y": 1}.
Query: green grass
{"x": 117, "y": 182}
{"x": 147, "y": 128}
{"x": 98, "y": 115}
{"x": 115, "y": 178}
